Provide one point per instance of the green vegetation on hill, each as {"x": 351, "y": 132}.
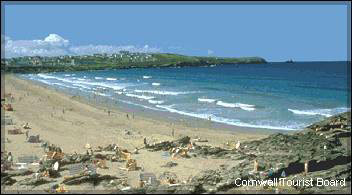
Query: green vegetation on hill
{"x": 120, "y": 60}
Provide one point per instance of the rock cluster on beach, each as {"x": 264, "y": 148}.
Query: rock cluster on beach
{"x": 325, "y": 153}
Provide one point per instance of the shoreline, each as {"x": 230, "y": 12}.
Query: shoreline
{"x": 60, "y": 100}
{"x": 81, "y": 123}
{"x": 168, "y": 117}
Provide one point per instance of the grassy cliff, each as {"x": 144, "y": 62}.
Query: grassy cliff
{"x": 116, "y": 61}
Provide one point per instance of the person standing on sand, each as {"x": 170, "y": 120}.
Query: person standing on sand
{"x": 145, "y": 140}
{"x": 109, "y": 112}
{"x": 63, "y": 111}
{"x": 9, "y": 158}
{"x": 173, "y": 132}
{"x": 127, "y": 116}
{"x": 27, "y": 132}
{"x": 12, "y": 98}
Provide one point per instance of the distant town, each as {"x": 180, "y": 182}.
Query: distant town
{"x": 70, "y": 60}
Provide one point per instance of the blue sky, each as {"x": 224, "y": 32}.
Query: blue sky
{"x": 275, "y": 32}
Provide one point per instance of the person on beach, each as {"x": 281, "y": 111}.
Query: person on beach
{"x": 109, "y": 112}
{"x": 27, "y": 132}
{"x": 173, "y": 132}
{"x": 145, "y": 140}
{"x": 26, "y": 126}
{"x": 63, "y": 111}
{"x": 238, "y": 145}
{"x": 9, "y": 158}
{"x": 127, "y": 116}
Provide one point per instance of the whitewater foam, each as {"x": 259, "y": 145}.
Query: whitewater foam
{"x": 155, "y": 101}
{"x": 140, "y": 96}
{"x": 63, "y": 85}
{"x": 82, "y": 86}
{"x": 114, "y": 86}
{"x": 147, "y": 77}
{"x": 44, "y": 81}
{"x": 246, "y": 107}
{"x": 102, "y": 94}
{"x": 46, "y": 76}
{"x": 322, "y": 112}
{"x": 111, "y": 79}
{"x": 56, "y": 78}
{"x": 140, "y": 105}
{"x": 156, "y": 84}
{"x": 227, "y": 121}
{"x": 171, "y": 109}
{"x": 98, "y": 78}
{"x": 161, "y": 92}
{"x": 206, "y": 100}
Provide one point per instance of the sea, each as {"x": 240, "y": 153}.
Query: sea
{"x": 281, "y": 96}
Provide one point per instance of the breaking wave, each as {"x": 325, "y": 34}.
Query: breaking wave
{"x": 114, "y": 86}
{"x": 322, "y": 112}
{"x": 206, "y": 100}
{"x": 246, "y": 107}
{"x": 162, "y": 92}
{"x": 223, "y": 120}
{"x": 140, "y": 96}
{"x": 155, "y": 101}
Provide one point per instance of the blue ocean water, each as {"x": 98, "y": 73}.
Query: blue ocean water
{"x": 286, "y": 96}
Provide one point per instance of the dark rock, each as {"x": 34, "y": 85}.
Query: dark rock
{"x": 7, "y": 180}
{"x": 167, "y": 145}
{"x": 169, "y": 164}
{"x": 13, "y": 173}
{"x": 94, "y": 179}
{"x": 34, "y": 181}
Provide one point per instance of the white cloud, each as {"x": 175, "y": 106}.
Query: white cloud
{"x": 210, "y": 52}
{"x": 54, "y": 45}
{"x": 56, "y": 40}
{"x": 50, "y": 46}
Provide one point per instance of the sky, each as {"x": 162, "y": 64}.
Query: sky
{"x": 274, "y": 32}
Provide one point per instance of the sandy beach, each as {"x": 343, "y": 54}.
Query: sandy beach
{"x": 71, "y": 123}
